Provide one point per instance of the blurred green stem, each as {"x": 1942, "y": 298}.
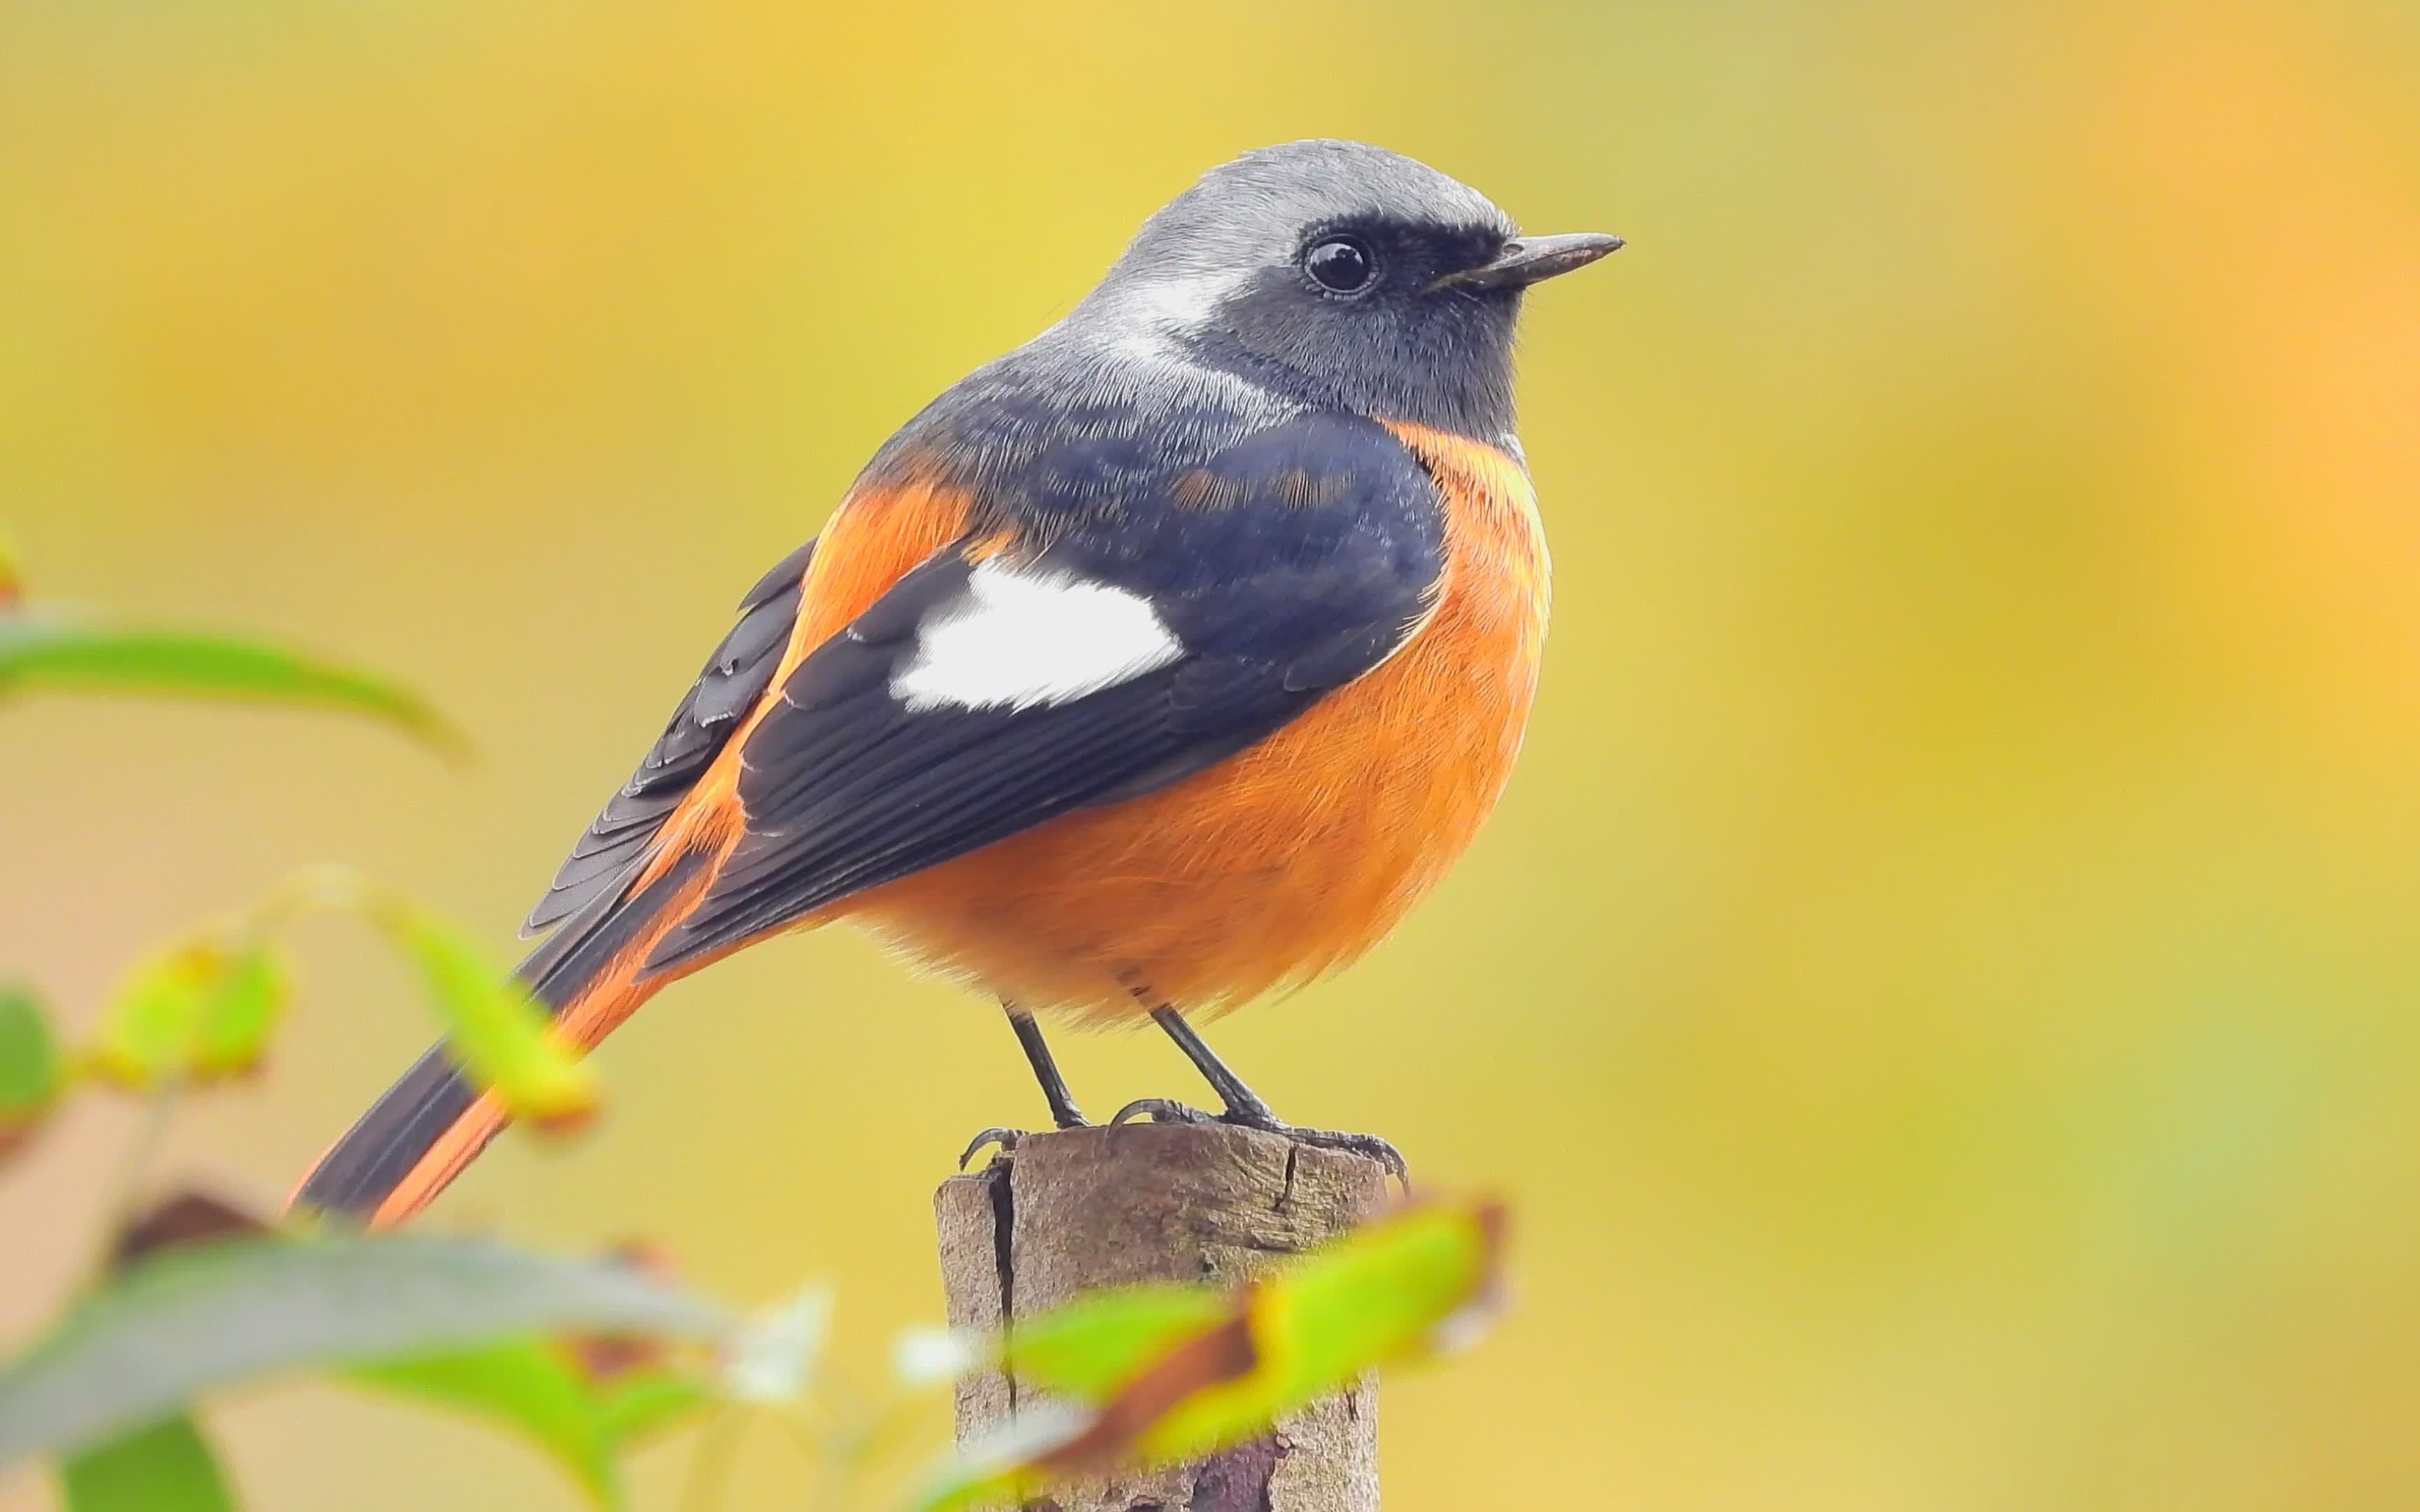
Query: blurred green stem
{"x": 709, "y": 1463}
{"x": 126, "y": 1182}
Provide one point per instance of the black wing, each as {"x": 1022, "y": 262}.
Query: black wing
{"x": 735, "y": 676}
{"x": 1289, "y": 564}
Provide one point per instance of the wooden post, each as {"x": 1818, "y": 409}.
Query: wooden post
{"x": 1087, "y": 1208}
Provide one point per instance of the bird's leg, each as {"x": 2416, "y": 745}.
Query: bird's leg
{"x": 1242, "y": 1106}
{"x": 1064, "y": 1112}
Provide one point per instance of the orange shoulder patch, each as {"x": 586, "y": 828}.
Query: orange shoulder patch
{"x": 876, "y": 537}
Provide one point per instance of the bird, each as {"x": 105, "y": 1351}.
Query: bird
{"x": 1158, "y": 665}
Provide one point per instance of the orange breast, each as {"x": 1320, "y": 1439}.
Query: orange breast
{"x": 1294, "y": 857}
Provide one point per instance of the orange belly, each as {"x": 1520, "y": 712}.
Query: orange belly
{"x": 1287, "y": 860}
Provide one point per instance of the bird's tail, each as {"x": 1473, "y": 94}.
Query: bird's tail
{"x": 591, "y": 975}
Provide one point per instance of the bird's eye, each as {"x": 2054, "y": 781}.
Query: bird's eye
{"x": 1342, "y": 265}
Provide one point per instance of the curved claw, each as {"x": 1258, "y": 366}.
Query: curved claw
{"x": 1160, "y": 1110}
{"x": 1167, "y": 1110}
{"x": 1005, "y": 1138}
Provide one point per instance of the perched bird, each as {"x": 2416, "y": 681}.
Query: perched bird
{"x": 1164, "y": 661}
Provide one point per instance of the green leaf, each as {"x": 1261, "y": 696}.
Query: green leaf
{"x": 506, "y": 1041}
{"x": 1095, "y": 1344}
{"x": 529, "y": 1384}
{"x": 74, "y": 655}
{"x": 162, "y": 1467}
{"x": 233, "y": 1035}
{"x": 208, "y": 1315}
{"x": 537, "y": 1387}
{"x": 541, "y": 1390}
{"x": 30, "y": 1073}
{"x": 1399, "y": 1290}
{"x": 1423, "y": 1283}
{"x": 201, "y": 1008}
{"x": 150, "y": 1027}
{"x": 644, "y": 1404}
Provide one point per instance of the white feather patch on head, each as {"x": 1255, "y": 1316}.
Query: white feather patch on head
{"x": 1018, "y": 637}
{"x": 1157, "y": 314}
{"x": 1183, "y": 305}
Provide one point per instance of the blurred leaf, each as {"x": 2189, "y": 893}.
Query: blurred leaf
{"x": 642, "y": 1405}
{"x": 149, "y": 1028}
{"x": 1090, "y": 1348}
{"x": 1424, "y": 1282}
{"x": 208, "y": 1315}
{"x": 775, "y": 1355}
{"x": 30, "y": 1073}
{"x": 201, "y": 1009}
{"x": 54, "y": 653}
{"x": 544, "y": 1388}
{"x": 1172, "y": 1388}
{"x": 233, "y": 1035}
{"x": 506, "y": 1041}
{"x": 580, "y": 1399}
{"x": 164, "y": 1467}
{"x": 12, "y": 588}
{"x": 535, "y": 1386}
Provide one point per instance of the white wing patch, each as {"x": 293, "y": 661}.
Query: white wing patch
{"x": 1018, "y": 638}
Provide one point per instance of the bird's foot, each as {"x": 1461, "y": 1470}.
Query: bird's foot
{"x": 1005, "y": 1139}
{"x": 1167, "y": 1110}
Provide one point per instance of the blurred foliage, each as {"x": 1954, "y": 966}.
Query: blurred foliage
{"x": 161, "y": 1466}
{"x": 193, "y": 1009}
{"x": 203, "y": 1006}
{"x": 65, "y": 654}
{"x": 30, "y": 1068}
{"x": 53, "y": 652}
{"x": 105, "y": 1391}
{"x": 538, "y": 1385}
{"x": 1167, "y": 1375}
{"x": 207, "y": 1314}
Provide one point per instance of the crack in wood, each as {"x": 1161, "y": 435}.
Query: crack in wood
{"x": 999, "y": 1186}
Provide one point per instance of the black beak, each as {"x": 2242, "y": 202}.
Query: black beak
{"x": 1528, "y": 259}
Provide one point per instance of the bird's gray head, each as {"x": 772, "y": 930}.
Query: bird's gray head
{"x": 1343, "y": 274}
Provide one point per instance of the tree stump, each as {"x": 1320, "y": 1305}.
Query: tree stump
{"x": 1081, "y": 1208}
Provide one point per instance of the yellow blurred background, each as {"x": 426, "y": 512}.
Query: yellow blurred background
{"x": 1941, "y": 987}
